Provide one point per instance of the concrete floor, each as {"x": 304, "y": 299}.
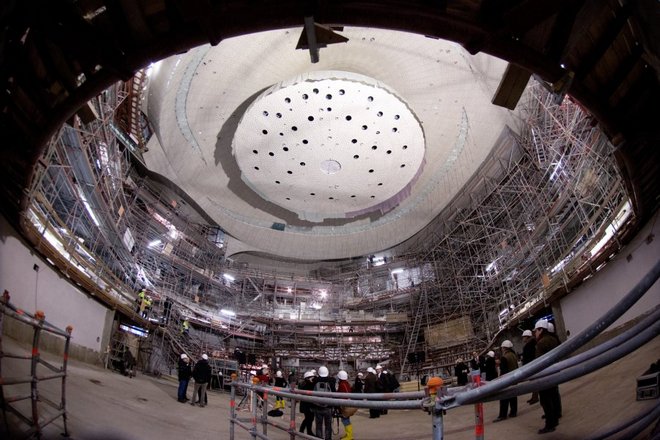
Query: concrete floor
{"x": 102, "y": 404}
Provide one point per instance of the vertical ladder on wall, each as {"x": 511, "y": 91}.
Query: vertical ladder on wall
{"x": 412, "y": 332}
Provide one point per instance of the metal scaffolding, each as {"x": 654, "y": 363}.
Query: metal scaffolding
{"x": 523, "y": 226}
{"x": 43, "y": 410}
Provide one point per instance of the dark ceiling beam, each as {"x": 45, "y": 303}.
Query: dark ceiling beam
{"x": 202, "y": 13}
{"x": 530, "y": 13}
{"x": 624, "y": 69}
{"x": 562, "y": 30}
{"x": 604, "y": 42}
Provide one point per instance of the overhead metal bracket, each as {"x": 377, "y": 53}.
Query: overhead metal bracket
{"x": 315, "y": 36}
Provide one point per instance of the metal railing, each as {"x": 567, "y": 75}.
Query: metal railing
{"x": 547, "y": 371}
{"x": 39, "y": 323}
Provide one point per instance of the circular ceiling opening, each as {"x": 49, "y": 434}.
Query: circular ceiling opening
{"x": 347, "y": 182}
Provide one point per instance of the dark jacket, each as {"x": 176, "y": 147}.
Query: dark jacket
{"x": 392, "y": 382}
{"x": 202, "y": 371}
{"x": 358, "y": 387}
{"x": 185, "y": 371}
{"x": 545, "y": 343}
{"x": 529, "y": 351}
{"x": 370, "y": 383}
{"x": 281, "y": 382}
{"x": 508, "y": 362}
{"x": 490, "y": 368}
{"x": 461, "y": 373}
{"x": 307, "y": 384}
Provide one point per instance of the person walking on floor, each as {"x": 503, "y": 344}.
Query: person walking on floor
{"x": 323, "y": 412}
{"x": 202, "y": 375}
{"x": 185, "y": 373}
{"x": 346, "y": 412}
{"x": 549, "y": 397}
{"x": 306, "y": 407}
{"x": 508, "y": 363}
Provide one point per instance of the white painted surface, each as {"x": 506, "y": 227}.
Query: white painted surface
{"x": 48, "y": 291}
{"x": 599, "y": 294}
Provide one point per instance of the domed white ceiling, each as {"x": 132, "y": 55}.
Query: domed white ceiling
{"x": 329, "y": 145}
{"x": 342, "y": 158}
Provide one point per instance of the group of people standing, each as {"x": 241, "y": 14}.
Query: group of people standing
{"x": 375, "y": 380}
{"x": 536, "y": 343}
{"x": 200, "y": 372}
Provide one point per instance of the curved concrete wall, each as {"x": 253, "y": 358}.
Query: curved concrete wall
{"x": 48, "y": 290}
{"x": 599, "y": 294}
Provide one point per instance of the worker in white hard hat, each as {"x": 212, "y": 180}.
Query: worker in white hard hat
{"x": 323, "y": 412}
{"x": 490, "y": 366}
{"x": 358, "y": 386}
{"x": 306, "y": 407}
{"x": 185, "y": 373}
{"x": 508, "y": 363}
{"x": 280, "y": 382}
{"x": 549, "y": 397}
{"x": 370, "y": 386}
{"x": 345, "y": 411}
{"x": 202, "y": 376}
{"x": 528, "y": 355}
{"x": 553, "y": 333}
{"x": 461, "y": 371}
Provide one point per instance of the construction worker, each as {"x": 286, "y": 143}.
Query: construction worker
{"x": 281, "y": 382}
{"x": 138, "y": 301}
{"x": 185, "y": 327}
{"x": 346, "y": 412}
{"x": 146, "y": 306}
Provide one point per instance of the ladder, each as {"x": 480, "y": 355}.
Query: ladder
{"x": 412, "y": 332}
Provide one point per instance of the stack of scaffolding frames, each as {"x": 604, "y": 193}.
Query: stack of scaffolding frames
{"x": 516, "y": 233}
{"x": 38, "y": 418}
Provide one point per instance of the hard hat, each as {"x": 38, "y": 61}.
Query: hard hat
{"x": 378, "y": 367}
{"x": 541, "y": 323}
{"x": 527, "y": 333}
{"x": 264, "y": 367}
{"x": 551, "y": 327}
{"x": 385, "y": 372}
{"x": 253, "y": 373}
{"x": 323, "y": 371}
{"x": 360, "y": 375}
{"x": 308, "y": 374}
{"x": 459, "y": 360}
{"x": 507, "y": 344}
{"x": 184, "y": 356}
{"x": 371, "y": 370}
{"x": 342, "y": 375}
{"x": 491, "y": 354}
{"x": 205, "y": 357}
{"x": 313, "y": 371}
{"x": 278, "y": 374}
